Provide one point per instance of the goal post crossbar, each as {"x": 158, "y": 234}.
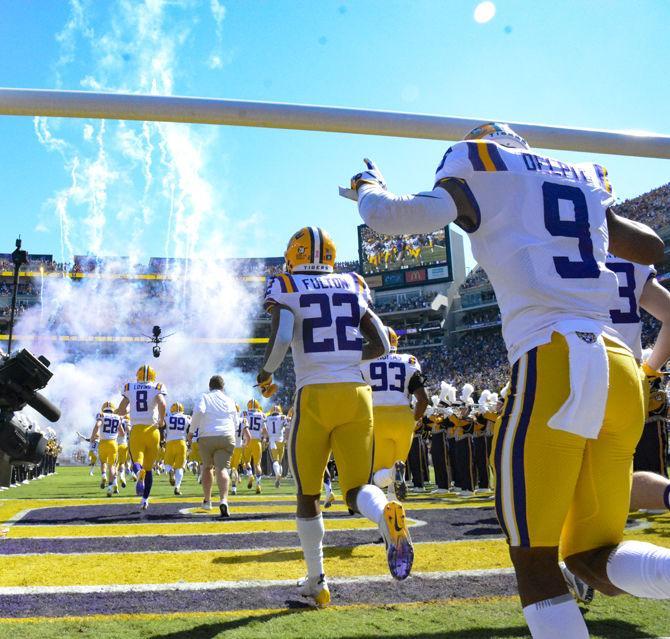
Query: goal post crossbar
{"x": 158, "y": 108}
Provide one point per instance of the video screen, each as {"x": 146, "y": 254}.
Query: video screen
{"x": 385, "y": 253}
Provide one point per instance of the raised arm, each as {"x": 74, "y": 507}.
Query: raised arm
{"x": 632, "y": 240}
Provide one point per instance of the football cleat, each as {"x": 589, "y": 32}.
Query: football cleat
{"x": 258, "y": 489}
{"x": 316, "y": 589}
{"x": 223, "y": 509}
{"x": 116, "y": 489}
{"x": 206, "y": 505}
{"x": 250, "y": 483}
{"x": 110, "y": 491}
{"x": 580, "y": 589}
{"x": 144, "y": 504}
{"x": 277, "y": 482}
{"x": 330, "y": 500}
{"x": 171, "y": 477}
{"x": 399, "y": 549}
{"x": 177, "y": 491}
{"x": 233, "y": 490}
{"x": 91, "y": 473}
{"x": 103, "y": 482}
{"x": 399, "y": 485}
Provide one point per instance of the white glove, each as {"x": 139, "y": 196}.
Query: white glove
{"x": 372, "y": 175}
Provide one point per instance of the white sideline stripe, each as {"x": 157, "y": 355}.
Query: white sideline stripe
{"x": 223, "y": 585}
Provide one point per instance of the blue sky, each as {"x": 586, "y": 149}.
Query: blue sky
{"x": 118, "y": 188}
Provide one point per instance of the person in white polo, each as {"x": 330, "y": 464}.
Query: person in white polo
{"x": 215, "y": 416}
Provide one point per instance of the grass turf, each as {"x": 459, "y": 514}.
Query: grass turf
{"x": 620, "y": 618}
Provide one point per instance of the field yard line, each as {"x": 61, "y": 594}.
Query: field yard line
{"x": 218, "y": 585}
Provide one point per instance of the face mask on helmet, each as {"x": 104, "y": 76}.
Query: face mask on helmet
{"x": 500, "y": 134}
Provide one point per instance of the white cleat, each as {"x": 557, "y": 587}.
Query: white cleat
{"x": 110, "y": 491}
{"x": 233, "y": 490}
{"x": 316, "y": 589}
{"x": 330, "y": 500}
{"x": 206, "y": 505}
{"x": 144, "y": 504}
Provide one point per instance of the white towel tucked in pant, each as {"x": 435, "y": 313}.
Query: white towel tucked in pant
{"x": 584, "y": 411}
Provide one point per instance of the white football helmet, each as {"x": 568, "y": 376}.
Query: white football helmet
{"x": 500, "y": 134}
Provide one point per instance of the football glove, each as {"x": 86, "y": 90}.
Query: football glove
{"x": 372, "y": 175}
{"x": 267, "y": 387}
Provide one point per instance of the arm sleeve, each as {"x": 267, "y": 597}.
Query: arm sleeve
{"x": 393, "y": 214}
{"x": 282, "y": 341}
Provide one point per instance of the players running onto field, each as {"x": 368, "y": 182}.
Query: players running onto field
{"x": 108, "y": 427}
{"x": 325, "y": 318}
{"x": 176, "y": 427}
{"x": 539, "y": 227}
{"x": 145, "y": 401}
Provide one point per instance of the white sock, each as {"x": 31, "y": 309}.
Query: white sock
{"x": 640, "y": 569}
{"x": 258, "y": 480}
{"x": 383, "y": 477}
{"x": 311, "y": 533}
{"x": 178, "y": 476}
{"x": 168, "y": 468}
{"x": 370, "y": 502}
{"x": 276, "y": 467}
{"x": 556, "y": 618}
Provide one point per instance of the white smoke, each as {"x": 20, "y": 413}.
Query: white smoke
{"x": 129, "y": 183}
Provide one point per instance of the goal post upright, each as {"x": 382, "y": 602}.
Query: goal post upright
{"x": 157, "y": 108}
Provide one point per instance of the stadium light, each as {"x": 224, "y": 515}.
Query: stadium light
{"x": 120, "y": 106}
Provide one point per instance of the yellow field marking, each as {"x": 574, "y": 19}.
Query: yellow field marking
{"x": 232, "y": 614}
{"x": 237, "y": 565}
{"x": 169, "y": 528}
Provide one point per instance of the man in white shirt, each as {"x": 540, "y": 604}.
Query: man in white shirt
{"x": 215, "y": 417}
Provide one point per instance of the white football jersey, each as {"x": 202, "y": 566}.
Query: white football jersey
{"x": 389, "y": 378}
{"x": 625, "y": 315}
{"x": 255, "y": 420}
{"x": 143, "y": 401}
{"x": 541, "y": 236}
{"x": 176, "y": 426}
{"x": 327, "y": 342}
{"x": 123, "y": 440}
{"x": 275, "y": 425}
{"x": 110, "y": 425}
{"x": 239, "y": 432}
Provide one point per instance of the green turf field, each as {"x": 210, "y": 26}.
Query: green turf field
{"x": 68, "y": 536}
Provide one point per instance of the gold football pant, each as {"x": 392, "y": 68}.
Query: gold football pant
{"x": 145, "y": 441}
{"x": 107, "y": 451}
{"x": 123, "y": 454}
{"x": 253, "y": 451}
{"x": 331, "y": 417}
{"x": 277, "y": 451}
{"x": 553, "y": 487}
{"x": 393, "y": 429}
{"x": 194, "y": 453}
{"x": 175, "y": 453}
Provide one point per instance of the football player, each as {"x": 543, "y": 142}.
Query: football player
{"x": 176, "y": 427}
{"x": 92, "y": 455}
{"x": 395, "y": 379}
{"x": 145, "y": 401}
{"x": 194, "y": 452}
{"x": 275, "y": 423}
{"x": 325, "y": 318}
{"x": 107, "y": 428}
{"x": 254, "y": 419}
{"x": 539, "y": 227}
{"x": 242, "y": 438}
{"x": 123, "y": 450}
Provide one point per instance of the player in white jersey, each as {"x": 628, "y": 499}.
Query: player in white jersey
{"x": 540, "y": 229}
{"x": 254, "y": 420}
{"x": 275, "y": 423}
{"x": 395, "y": 379}
{"x": 176, "y": 428}
{"x": 123, "y": 450}
{"x": 242, "y": 438}
{"x": 108, "y": 427}
{"x": 326, "y": 319}
{"x": 145, "y": 401}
